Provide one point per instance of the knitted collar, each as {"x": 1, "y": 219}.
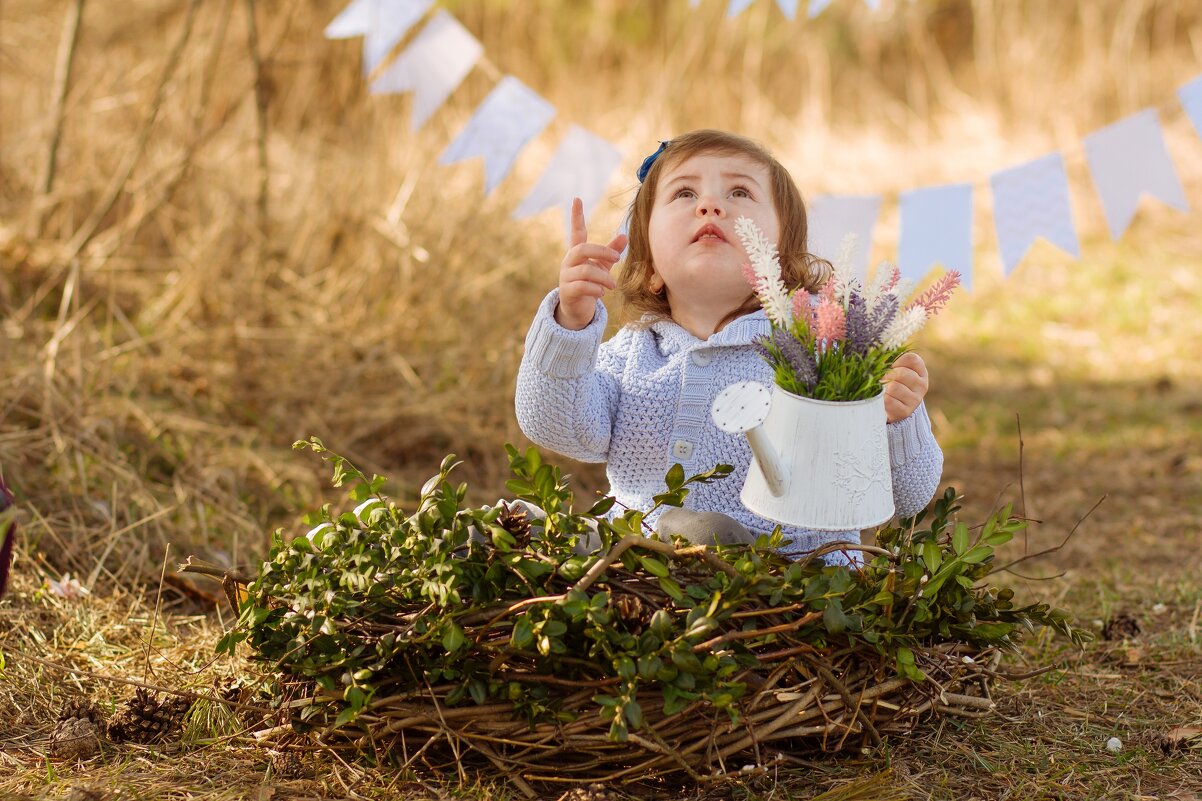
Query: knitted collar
{"x": 671, "y": 338}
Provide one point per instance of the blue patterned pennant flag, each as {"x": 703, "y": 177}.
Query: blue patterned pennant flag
{"x": 581, "y": 167}
{"x": 382, "y": 23}
{"x": 936, "y": 229}
{"x": 833, "y": 217}
{"x": 1029, "y": 201}
{"x": 505, "y": 122}
{"x": 432, "y": 66}
{"x": 1128, "y": 159}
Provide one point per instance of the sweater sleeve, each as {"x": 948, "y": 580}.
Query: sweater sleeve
{"x": 916, "y": 461}
{"x": 563, "y": 401}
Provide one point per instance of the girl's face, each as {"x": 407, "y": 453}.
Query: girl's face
{"x": 694, "y": 247}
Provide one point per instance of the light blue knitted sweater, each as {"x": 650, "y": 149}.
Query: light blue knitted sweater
{"x": 641, "y": 402}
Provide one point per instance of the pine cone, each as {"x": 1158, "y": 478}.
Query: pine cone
{"x": 75, "y": 738}
{"x": 82, "y": 708}
{"x": 593, "y": 792}
{"x": 285, "y": 764}
{"x": 146, "y": 719}
{"x": 86, "y": 794}
{"x": 513, "y": 519}
{"x": 1122, "y": 626}
{"x": 632, "y": 612}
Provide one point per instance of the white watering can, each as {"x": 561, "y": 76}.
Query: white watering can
{"x": 817, "y": 464}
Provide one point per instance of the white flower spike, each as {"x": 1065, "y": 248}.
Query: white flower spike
{"x": 766, "y": 267}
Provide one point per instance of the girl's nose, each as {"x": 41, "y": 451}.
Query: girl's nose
{"x": 709, "y": 207}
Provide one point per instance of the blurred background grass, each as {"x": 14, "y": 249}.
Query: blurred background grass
{"x": 174, "y": 315}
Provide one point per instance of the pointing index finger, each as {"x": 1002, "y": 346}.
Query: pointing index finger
{"x": 579, "y": 228}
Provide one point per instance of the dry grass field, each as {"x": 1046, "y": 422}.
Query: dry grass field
{"x": 214, "y": 241}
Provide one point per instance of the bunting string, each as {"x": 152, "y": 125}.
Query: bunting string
{"x": 1126, "y": 160}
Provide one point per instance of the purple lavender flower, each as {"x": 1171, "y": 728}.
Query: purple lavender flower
{"x": 860, "y": 327}
{"x": 798, "y": 357}
{"x": 882, "y": 316}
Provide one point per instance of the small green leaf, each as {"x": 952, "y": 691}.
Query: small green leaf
{"x": 931, "y": 555}
{"x": 675, "y": 477}
{"x": 452, "y": 637}
{"x": 978, "y": 554}
{"x": 672, "y": 589}
{"x": 633, "y": 714}
{"x": 835, "y": 619}
{"x": 654, "y": 566}
{"x": 960, "y": 538}
{"x": 602, "y": 507}
{"x": 523, "y": 633}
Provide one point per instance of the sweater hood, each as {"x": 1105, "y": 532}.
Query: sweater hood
{"x": 671, "y": 338}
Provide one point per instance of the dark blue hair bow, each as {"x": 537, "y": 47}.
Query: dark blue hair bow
{"x": 645, "y": 167}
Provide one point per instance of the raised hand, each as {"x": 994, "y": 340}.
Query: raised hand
{"x": 584, "y": 273}
{"x": 906, "y": 385}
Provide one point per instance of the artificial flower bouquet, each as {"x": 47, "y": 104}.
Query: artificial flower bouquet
{"x": 838, "y": 344}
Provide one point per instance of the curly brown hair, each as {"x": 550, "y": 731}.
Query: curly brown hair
{"x": 799, "y": 267}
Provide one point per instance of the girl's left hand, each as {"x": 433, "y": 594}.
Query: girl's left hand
{"x": 906, "y": 385}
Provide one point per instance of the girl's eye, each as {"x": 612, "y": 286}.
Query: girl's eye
{"x": 739, "y": 191}
{"x": 684, "y": 192}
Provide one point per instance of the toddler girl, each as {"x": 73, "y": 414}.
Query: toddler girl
{"x": 641, "y": 401}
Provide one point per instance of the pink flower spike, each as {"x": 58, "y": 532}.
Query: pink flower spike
{"x": 831, "y": 321}
{"x": 800, "y": 304}
{"x": 827, "y": 291}
{"x": 894, "y": 278}
{"x": 940, "y": 292}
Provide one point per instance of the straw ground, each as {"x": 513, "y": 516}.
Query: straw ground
{"x": 170, "y": 328}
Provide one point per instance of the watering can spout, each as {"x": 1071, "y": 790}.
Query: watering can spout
{"x": 769, "y": 461}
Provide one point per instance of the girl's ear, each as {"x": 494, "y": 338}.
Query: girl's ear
{"x": 655, "y": 284}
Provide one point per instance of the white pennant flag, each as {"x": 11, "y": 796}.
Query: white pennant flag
{"x": 788, "y": 8}
{"x": 505, "y": 122}
{"x": 354, "y": 20}
{"x": 817, "y": 7}
{"x": 936, "y": 228}
{"x": 432, "y": 66}
{"x": 1127, "y": 159}
{"x": 737, "y": 7}
{"x": 1029, "y": 201}
{"x": 1191, "y": 98}
{"x": 581, "y": 167}
{"x": 833, "y": 217}
{"x": 382, "y": 23}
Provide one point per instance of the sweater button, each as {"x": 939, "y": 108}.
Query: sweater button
{"x": 682, "y": 449}
{"x": 702, "y": 358}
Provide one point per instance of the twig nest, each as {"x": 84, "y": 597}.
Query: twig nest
{"x": 482, "y": 639}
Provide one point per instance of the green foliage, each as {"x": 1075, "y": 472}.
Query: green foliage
{"x": 843, "y": 373}
{"x": 485, "y": 602}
